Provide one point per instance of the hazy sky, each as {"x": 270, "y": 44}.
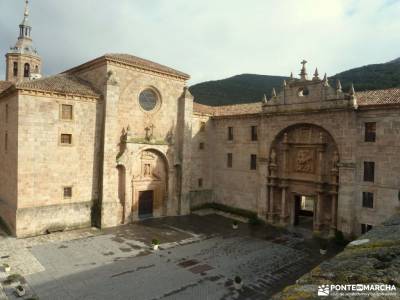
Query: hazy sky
{"x": 210, "y": 39}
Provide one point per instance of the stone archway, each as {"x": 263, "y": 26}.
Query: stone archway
{"x": 149, "y": 185}
{"x": 303, "y": 163}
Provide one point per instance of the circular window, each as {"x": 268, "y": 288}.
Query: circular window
{"x": 148, "y": 99}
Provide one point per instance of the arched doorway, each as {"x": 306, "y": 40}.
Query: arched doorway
{"x": 303, "y": 178}
{"x": 149, "y": 185}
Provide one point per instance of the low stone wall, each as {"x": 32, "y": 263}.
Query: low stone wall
{"x": 38, "y": 220}
{"x": 198, "y": 198}
{"x": 374, "y": 258}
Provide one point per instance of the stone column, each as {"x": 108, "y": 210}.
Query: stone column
{"x": 283, "y": 204}
{"x": 111, "y": 209}
{"x": 334, "y": 193}
{"x": 317, "y": 217}
{"x": 272, "y": 184}
{"x": 333, "y": 215}
{"x": 185, "y": 112}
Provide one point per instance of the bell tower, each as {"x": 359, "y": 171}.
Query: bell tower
{"x": 23, "y": 61}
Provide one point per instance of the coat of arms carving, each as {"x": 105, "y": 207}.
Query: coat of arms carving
{"x": 304, "y": 161}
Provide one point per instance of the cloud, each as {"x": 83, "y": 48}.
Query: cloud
{"x": 211, "y": 39}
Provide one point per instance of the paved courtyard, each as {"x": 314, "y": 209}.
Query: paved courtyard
{"x": 198, "y": 258}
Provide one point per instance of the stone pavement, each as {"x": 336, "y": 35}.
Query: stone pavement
{"x": 198, "y": 259}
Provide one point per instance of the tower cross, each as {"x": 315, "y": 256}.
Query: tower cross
{"x": 304, "y": 63}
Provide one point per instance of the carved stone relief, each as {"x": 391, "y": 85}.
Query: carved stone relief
{"x": 304, "y": 162}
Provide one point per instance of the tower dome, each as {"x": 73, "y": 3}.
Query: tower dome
{"x": 22, "y": 60}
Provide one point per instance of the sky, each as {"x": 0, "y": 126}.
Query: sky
{"x": 210, "y": 39}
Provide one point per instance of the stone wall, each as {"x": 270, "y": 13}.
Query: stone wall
{"x": 46, "y": 166}
{"x": 122, "y": 112}
{"x": 237, "y": 186}
{"x": 8, "y": 160}
{"x": 376, "y": 260}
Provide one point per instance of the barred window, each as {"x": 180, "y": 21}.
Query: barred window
{"x": 254, "y": 136}
{"x": 370, "y": 132}
{"x": 67, "y": 192}
{"x": 200, "y": 182}
{"x": 66, "y": 139}
{"x": 365, "y": 228}
{"x": 253, "y": 162}
{"x": 368, "y": 200}
{"x": 66, "y": 112}
{"x": 229, "y": 160}
{"x": 230, "y": 133}
{"x": 369, "y": 171}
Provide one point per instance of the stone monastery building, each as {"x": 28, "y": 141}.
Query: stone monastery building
{"x": 119, "y": 138}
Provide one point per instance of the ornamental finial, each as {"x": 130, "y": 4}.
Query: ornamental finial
{"x": 26, "y": 13}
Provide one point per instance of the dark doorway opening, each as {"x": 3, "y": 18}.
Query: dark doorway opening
{"x": 303, "y": 211}
{"x": 146, "y": 204}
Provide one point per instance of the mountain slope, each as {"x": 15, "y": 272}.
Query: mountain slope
{"x": 247, "y": 88}
{"x": 243, "y": 88}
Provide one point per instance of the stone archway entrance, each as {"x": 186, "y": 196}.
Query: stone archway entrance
{"x": 149, "y": 186}
{"x": 303, "y": 178}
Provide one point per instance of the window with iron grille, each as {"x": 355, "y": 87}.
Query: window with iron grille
{"x": 368, "y": 200}
{"x": 229, "y": 160}
{"x": 200, "y": 182}
{"x": 370, "y": 132}
{"x": 66, "y": 112}
{"x": 66, "y": 139}
{"x": 253, "y": 162}
{"x": 230, "y": 133}
{"x": 67, "y": 192}
{"x": 254, "y": 136}
{"x": 365, "y": 228}
{"x": 369, "y": 171}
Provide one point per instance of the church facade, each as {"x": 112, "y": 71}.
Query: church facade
{"x": 119, "y": 138}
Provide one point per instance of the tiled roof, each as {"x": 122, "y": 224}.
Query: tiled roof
{"x": 228, "y": 110}
{"x": 379, "y": 97}
{"x": 133, "y": 61}
{"x": 4, "y": 85}
{"x": 144, "y": 63}
{"x": 62, "y": 83}
{"x": 203, "y": 109}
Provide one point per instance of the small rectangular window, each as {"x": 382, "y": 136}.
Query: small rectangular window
{"x": 202, "y": 126}
{"x": 15, "y": 69}
{"x": 253, "y": 162}
{"x": 66, "y": 112}
{"x": 66, "y": 139}
{"x": 229, "y": 160}
{"x": 230, "y": 133}
{"x": 369, "y": 171}
{"x": 6, "y": 141}
{"x": 67, "y": 192}
{"x": 6, "y": 116}
{"x": 201, "y": 146}
{"x": 368, "y": 200}
{"x": 254, "y": 136}
{"x": 200, "y": 182}
{"x": 370, "y": 132}
{"x": 365, "y": 228}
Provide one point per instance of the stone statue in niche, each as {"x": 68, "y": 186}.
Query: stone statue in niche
{"x": 149, "y": 132}
{"x": 147, "y": 170}
{"x": 304, "y": 161}
{"x": 273, "y": 157}
{"x": 335, "y": 159}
